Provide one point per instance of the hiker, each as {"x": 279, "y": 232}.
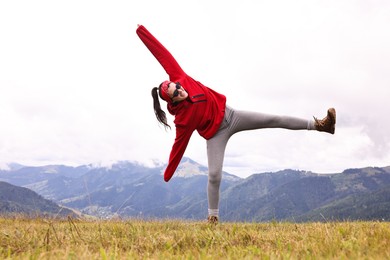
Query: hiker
{"x": 197, "y": 107}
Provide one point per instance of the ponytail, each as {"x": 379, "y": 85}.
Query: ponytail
{"x": 160, "y": 114}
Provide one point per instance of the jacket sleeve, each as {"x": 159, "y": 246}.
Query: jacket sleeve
{"x": 182, "y": 139}
{"x": 163, "y": 56}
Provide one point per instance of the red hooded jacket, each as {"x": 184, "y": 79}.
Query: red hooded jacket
{"x": 203, "y": 110}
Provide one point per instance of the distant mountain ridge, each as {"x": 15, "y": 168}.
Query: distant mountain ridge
{"x": 129, "y": 189}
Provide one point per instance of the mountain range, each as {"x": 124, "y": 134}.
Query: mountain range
{"x": 131, "y": 190}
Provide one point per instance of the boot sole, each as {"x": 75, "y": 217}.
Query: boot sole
{"x": 332, "y": 116}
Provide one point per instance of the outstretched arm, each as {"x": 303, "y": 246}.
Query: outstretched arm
{"x": 182, "y": 139}
{"x": 163, "y": 56}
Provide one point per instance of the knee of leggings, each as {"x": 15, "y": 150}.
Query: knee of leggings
{"x": 215, "y": 177}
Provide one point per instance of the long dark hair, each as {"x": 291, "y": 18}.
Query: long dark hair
{"x": 160, "y": 114}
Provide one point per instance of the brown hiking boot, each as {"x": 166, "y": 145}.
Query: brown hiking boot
{"x": 212, "y": 220}
{"x": 328, "y": 123}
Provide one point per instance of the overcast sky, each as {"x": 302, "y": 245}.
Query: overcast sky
{"x": 75, "y": 79}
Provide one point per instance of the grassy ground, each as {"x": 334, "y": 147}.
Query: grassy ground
{"x": 85, "y": 239}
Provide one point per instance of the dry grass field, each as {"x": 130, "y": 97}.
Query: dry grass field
{"x": 22, "y": 238}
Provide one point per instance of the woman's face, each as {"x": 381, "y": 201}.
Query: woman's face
{"x": 177, "y": 92}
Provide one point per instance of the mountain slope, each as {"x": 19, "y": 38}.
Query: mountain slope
{"x": 298, "y": 195}
{"x": 367, "y": 206}
{"x": 19, "y": 200}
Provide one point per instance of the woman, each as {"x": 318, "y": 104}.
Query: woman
{"x": 197, "y": 107}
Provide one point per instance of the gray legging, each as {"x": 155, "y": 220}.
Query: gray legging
{"x": 236, "y": 121}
